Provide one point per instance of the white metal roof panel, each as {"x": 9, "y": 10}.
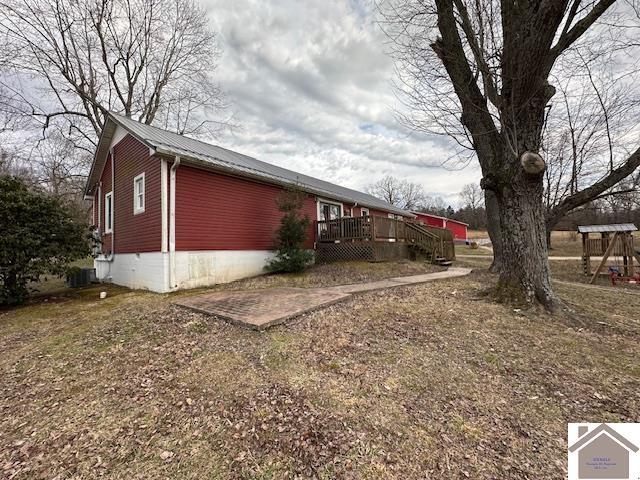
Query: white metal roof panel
{"x": 617, "y": 227}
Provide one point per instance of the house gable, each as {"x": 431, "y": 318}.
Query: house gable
{"x": 133, "y": 231}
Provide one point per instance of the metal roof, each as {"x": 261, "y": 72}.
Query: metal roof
{"x": 218, "y": 158}
{"x": 618, "y": 227}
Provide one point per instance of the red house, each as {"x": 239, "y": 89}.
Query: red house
{"x": 173, "y": 212}
{"x": 459, "y": 229}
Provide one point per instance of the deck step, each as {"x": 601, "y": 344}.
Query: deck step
{"x": 446, "y": 263}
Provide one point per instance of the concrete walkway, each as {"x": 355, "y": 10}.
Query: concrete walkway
{"x": 260, "y": 309}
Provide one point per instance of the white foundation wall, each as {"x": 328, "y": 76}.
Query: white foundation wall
{"x": 210, "y": 267}
{"x": 150, "y": 271}
{"x": 144, "y": 271}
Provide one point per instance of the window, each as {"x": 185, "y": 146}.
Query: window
{"x": 329, "y": 211}
{"x": 364, "y": 212}
{"x": 138, "y": 194}
{"x": 108, "y": 212}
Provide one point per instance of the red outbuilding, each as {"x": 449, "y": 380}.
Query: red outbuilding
{"x": 459, "y": 229}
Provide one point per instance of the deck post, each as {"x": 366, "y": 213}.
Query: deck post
{"x": 373, "y": 228}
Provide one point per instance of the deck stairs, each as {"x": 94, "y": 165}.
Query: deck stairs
{"x": 427, "y": 243}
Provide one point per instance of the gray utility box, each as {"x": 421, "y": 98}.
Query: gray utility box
{"x": 81, "y": 277}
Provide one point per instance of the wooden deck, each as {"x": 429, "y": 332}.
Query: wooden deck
{"x": 380, "y": 238}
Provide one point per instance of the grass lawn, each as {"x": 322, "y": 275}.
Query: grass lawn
{"x": 426, "y": 381}
{"x": 466, "y": 250}
{"x": 563, "y": 244}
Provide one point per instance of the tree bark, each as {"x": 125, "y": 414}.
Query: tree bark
{"x": 493, "y": 228}
{"x": 524, "y": 274}
{"x": 548, "y": 234}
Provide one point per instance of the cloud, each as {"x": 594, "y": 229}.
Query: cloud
{"x": 311, "y": 87}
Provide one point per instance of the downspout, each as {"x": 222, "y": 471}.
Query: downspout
{"x": 99, "y": 223}
{"x": 113, "y": 206}
{"x": 172, "y": 224}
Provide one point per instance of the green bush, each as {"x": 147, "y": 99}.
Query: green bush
{"x": 38, "y": 235}
{"x": 291, "y": 256}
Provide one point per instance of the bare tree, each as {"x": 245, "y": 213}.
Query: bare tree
{"x": 434, "y": 205}
{"x": 588, "y": 137}
{"x": 472, "y": 196}
{"x": 401, "y": 193}
{"x": 72, "y": 62}
{"x": 481, "y": 72}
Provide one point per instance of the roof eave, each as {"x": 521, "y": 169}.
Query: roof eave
{"x": 102, "y": 150}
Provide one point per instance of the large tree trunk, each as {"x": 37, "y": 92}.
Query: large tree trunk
{"x": 493, "y": 228}
{"x": 525, "y": 275}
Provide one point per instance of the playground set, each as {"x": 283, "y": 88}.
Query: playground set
{"x": 615, "y": 242}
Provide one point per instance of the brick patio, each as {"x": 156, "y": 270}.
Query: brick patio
{"x": 259, "y": 309}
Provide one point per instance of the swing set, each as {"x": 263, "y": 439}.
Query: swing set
{"x": 615, "y": 242}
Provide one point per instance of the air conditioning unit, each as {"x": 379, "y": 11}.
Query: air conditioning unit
{"x": 81, "y": 277}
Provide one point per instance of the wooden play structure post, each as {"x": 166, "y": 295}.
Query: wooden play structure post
{"x": 607, "y": 252}
{"x": 620, "y": 245}
{"x": 586, "y": 257}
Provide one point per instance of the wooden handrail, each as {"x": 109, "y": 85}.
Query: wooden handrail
{"x": 378, "y": 228}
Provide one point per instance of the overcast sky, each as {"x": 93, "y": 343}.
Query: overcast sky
{"x": 310, "y": 86}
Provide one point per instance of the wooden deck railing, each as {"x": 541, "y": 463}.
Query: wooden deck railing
{"x": 384, "y": 229}
{"x": 346, "y": 228}
{"x": 361, "y": 228}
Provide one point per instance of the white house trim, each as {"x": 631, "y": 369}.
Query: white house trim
{"x": 99, "y": 205}
{"x": 172, "y": 224}
{"x": 118, "y": 136}
{"x": 108, "y": 205}
{"x": 136, "y": 207}
{"x": 331, "y": 202}
{"x": 164, "y": 203}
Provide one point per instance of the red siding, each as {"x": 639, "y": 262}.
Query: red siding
{"x": 219, "y": 212}
{"x": 458, "y": 229}
{"x": 357, "y": 211}
{"x": 213, "y": 211}
{"x": 133, "y": 233}
{"x": 430, "y": 220}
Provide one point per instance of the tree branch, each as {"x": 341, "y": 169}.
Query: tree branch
{"x": 568, "y": 37}
{"x": 588, "y": 194}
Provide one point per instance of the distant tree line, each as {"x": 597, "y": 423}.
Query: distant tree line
{"x": 412, "y": 196}
{"x": 621, "y": 205}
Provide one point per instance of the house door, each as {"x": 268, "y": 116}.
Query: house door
{"x": 329, "y": 211}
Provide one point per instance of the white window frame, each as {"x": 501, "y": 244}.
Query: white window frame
{"x": 363, "y": 210}
{"x": 108, "y": 219}
{"x": 136, "y": 208}
{"x": 330, "y": 202}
